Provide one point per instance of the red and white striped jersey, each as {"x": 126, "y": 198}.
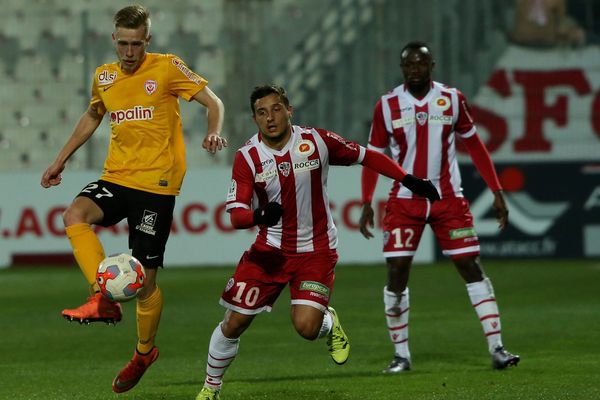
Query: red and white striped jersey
{"x": 295, "y": 177}
{"x": 421, "y": 135}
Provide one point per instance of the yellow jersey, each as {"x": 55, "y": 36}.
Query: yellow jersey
{"x": 146, "y": 150}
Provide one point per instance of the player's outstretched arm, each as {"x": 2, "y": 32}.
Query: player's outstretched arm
{"x": 215, "y": 111}
{"x": 85, "y": 128}
{"x": 422, "y": 187}
{"x": 386, "y": 166}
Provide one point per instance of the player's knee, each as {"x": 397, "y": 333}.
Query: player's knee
{"x": 234, "y": 324}
{"x": 82, "y": 210}
{"x": 308, "y": 329}
{"x": 72, "y": 216}
{"x": 469, "y": 268}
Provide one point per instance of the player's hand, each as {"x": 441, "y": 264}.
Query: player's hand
{"x": 268, "y": 215}
{"x": 366, "y": 220}
{"x": 500, "y": 210}
{"x": 213, "y": 142}
{"x": 422, "y": 187}
{"x": 52, "y": 176}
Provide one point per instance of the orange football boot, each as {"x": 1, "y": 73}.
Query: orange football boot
{"x": 134, "y": 370}
{"x": 97, "y": 309}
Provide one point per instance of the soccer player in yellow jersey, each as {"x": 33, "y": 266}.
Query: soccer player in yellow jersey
{"x": 142, "y": 173}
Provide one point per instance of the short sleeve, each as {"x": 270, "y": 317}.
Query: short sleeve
{"x": 183, "y": 82}
{"x": 341, "y": 150}
{"x": 242, "y": 184}
{"x": 378, "y": 136}
{"x": 96, "y": 103}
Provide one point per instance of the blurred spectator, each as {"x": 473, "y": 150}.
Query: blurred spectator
{"x": 545, "y": 23}
{"x": 186, "y": 44}
{"x": 38, "y": 96}
{"x": 98, "y": 47}
{"x": 587, "y": 15}
{"x": 25, "y": 159}
{"x": 55, "y": 48}
{"x": 10, "y": 51}
{"x": 4, "y": 143}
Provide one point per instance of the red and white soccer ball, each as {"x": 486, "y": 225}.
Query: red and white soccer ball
{"x": 120, "y": 277}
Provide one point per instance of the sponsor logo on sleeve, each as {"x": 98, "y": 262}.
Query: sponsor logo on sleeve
{"x": 350, "y": 145}
{"x": 232, "y": 192}
{"x": 186, "y": 71}
{"x": 466, "y": 110}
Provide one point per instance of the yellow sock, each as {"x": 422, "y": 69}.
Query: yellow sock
{"x": 87, "y": 249}
{"x": 148, "y": 317}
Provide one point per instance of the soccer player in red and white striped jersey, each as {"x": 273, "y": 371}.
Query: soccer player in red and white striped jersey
{"x": 279, "y": 182}
{"x": 419, "y": 121}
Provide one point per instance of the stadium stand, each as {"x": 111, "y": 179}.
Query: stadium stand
{"x": 48, "y": 49}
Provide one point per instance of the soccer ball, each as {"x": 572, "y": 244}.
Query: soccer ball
{"x": 120, "y": 277}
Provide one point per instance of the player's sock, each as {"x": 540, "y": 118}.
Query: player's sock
{"x": 326, "y": 325}
{"x": 148, "y": 316}
{"x": 396, "y": 314}
{"x": 483, "y": 300}
{"x": 87, "y": 249}
{"x": 221, "y": 353}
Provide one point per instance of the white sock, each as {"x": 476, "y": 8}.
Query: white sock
{"x": 221, "y": 353}
{"x": 326, "y": 325}
{"x": 483, "y": 300}
{"x": 396, "y": 315}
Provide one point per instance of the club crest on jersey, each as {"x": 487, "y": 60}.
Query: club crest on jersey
{"x": 285, "y": 168}
{"x": 106, "y": 77}
{"x": 421, "y": 117}
{"x": 442, "y": 102}
{"x": 150, "y": 86}
{"x": 304, "y": 148}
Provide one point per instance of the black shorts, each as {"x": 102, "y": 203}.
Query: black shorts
{"x": 149, "y": 217}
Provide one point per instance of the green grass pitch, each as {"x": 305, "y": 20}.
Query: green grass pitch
{"x": 550, "y": 316}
